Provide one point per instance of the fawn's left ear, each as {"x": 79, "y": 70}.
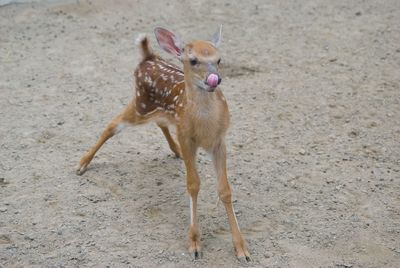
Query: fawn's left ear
{"x": 217, "y": 37}
{"x": 168, "y": 41}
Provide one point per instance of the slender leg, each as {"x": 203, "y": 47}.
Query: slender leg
{"x": 225, "y": 194}
{"x": 193, "y": 187}
{"x": 172, "y": 144}
{"x": 115, "y": 126}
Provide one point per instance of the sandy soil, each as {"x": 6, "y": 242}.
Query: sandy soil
{"x": 314, "y": 152}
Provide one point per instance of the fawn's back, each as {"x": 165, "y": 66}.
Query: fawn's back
{"x": 160, "y": 86}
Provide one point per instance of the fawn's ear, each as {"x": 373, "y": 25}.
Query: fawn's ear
{"x": 217, "y": 37}
{"x": 169, "y": 41}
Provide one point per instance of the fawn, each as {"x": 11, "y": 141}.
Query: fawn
{"x": 191, "y": 101}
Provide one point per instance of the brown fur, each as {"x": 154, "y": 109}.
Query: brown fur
{"x": 168, "y": 96}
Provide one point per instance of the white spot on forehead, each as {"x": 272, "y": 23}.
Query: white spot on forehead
{"x": 143, "y": 105}
{"x": 207, "y": 58}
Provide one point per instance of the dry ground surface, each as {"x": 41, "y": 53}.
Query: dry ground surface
{"x": 314, "y": 95}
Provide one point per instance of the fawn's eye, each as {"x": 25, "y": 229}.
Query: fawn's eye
{"x": 219, "y": 61}
{"x": 193, "y": 62}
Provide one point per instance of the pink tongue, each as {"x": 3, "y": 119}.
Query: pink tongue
{"x": 212, "y": 80}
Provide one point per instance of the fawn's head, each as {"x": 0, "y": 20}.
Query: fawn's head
{"x": 200, "y": 58}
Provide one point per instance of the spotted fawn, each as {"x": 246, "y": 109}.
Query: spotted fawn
{"x": 191, "y": 101}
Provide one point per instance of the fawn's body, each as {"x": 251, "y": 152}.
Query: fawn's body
{"x": 191, "y": 101}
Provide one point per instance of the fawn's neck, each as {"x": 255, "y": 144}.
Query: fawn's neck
{"x": 198, "y": 95}
{"x": 202, "y": 104}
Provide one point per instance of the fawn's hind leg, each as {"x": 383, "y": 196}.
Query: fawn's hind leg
{"x": 172, "y": 144}
{"x": 128, "y": 116}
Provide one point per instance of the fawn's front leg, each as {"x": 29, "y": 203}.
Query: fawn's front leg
{"x": 189, "y": 149}
{"x": 225, "y": 195}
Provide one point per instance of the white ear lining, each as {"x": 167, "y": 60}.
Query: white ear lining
{"x": 179, "y": 44}
{"x": 217, "y": 37}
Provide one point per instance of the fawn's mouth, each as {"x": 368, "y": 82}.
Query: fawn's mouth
{"x": 205, "y": 87}
{"x": 210, "y": 83}
{"x": 213, "y": 80}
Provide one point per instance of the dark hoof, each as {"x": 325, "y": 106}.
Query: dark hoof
{"x": 244, "y": 259}
{"x": 196, "y": 255}
{"x": 81, "y": 169}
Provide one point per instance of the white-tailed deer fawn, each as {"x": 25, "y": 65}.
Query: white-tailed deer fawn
{"x": 190, "y": 100}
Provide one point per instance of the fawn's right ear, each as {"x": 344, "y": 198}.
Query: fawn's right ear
{"x": 169, "y": 41}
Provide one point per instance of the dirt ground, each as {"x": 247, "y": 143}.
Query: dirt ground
{"x": 314, "y": 155}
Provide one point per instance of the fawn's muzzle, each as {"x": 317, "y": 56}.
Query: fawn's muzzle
{"x": 213, "y": 80}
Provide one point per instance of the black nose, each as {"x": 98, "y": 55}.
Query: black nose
{"x": 219, "y": 80}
